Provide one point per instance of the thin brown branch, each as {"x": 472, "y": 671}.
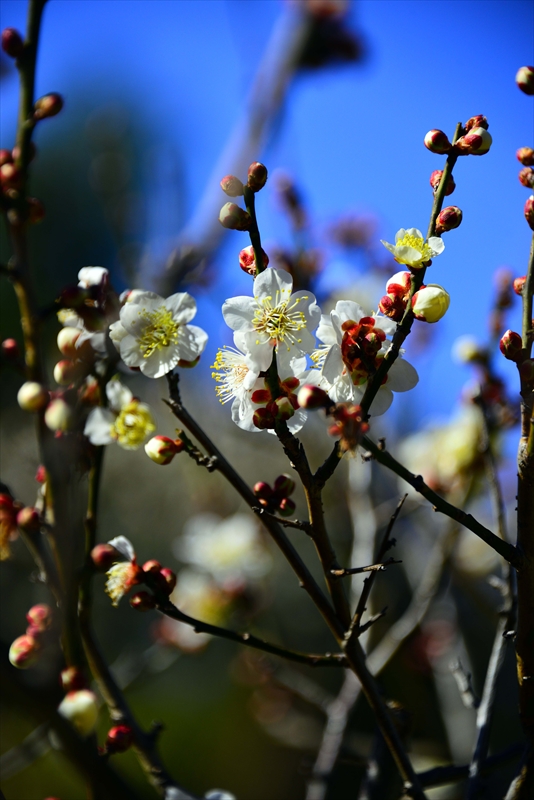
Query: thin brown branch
{"x": 506, "y": 550}
{"x": 382, "y": 566}
{"x": 437, "y": 776}
{"x": 299, "y": 524}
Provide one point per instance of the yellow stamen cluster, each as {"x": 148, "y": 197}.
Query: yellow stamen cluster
{"x": 408, "y": 240}
{"x": 279, "y": 322}
{"x": 120, "y": 578}
{"x": 230, "y": 375}
{"x": 133, "y": 425}
{"x": 161, "y": 330}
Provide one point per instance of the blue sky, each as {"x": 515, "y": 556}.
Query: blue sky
{"x": 352, "y": 137}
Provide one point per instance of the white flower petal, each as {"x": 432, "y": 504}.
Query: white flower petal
{"x": 117, "y": 394}
{"x": 385, "y": 324}
{"x": 401, "y": 233}
{"x": 326, "y": 332}
{"x": 411, "y": 232}
{"x": 406, "y": 254}
{"x": 436, "y": 244}
{"x": 124, "y": 546}
{"x": 382, "y": 401}
{"x": 191, "y": 342}
{"x": 260, "y": 352}
{"x": 117, "y": 332}
{"x": 98, "y": 426}
{"x": 160, "y": 362}
{"x": 182, "y": 306}
{"x": 402, "y": 376}
{"x": 238, "y": 312}
{"x": 388, "y": 246}
{"x": 333, "y": 365}
{"x": 274, "y": 283}
{"x": 129, "y": 350}
{"x": 349, "y": 310}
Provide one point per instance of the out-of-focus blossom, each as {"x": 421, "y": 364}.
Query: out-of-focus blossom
{"x": 126, "y": 420}
{"x": 9, "y": 510}
{"x": 153, "y": 333}
{"x": 230, "y": 549}
{"x": 81, "y": 710}
{"x": 124, "y": 574}
{"x": 411, "y": 249}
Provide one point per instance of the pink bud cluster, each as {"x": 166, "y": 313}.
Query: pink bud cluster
{"x": 231, "y": 215}
{"x": 277, "y": 498}
{"x": 347, "y": 423}
{"x": 435, "y": 180}
{"x": 160, "y": 579}
{"x": 525, "y": 79}
{"x": 279, "y": 410}
{"x": 475, "y": 139}
{"x": 25, "y": 650}
{"x": 393, "y": 304}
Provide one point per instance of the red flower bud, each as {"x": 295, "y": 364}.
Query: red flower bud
{"x": 119, "y": 739}
{"x": 257, "y": 176}
{"x": 260, "y": 396}
{"x": 282, "y": 408}
{"x": 475, "y": 143}
{"x": 103, "y": 557}
{"x": 234, "y": 218}
{"x": 392, "y": 307}
{"x": 476, "y": 122}
{"x": 28, "y": 519}
{"x": 151, "y": 566}
{"x": 529, "y": 211}
{"x": 48, "y": 106}
{"x": 10, "y": 349}
{"x": 526, "y": 370}
{"x": 73, "y": 679}
{"x": 12, "y": 43}
{"x": 526, "y": 156}
{"x": 10, "y": 176}
{"x": 436, "y": 141}
{"x": 40, "y": 475}
{"x": 312, "y": 397}
{"x": 511, "y": 346}
{"x": 5, "y": 157}
{"x": 32, "y": 396}
{"x": 525, "y": 79}
{"x": 286, "y": 507}
{"x": 284, "y": 485}
{"x": 142, "y": 601}
{"x": 247, "y": 261}
{"x": 262, "y": 490}
{"x": 435, "y": 180}
{"x": 67, "y": 372}
{"x": 170, "y": 579}
{"x": 24, "y": 652}
{"x": 162, "y": 449}
{"x": 232, "y": 186}
{"x": 526, "y": 177}
{"x": 448, "y": 218}
{"x": 518, "y": 284}
{"x": 40, "y": 617}
{"x": 263, "y": 419}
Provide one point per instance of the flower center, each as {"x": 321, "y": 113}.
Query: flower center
{"x": 133, "y": 425}
{"x": 360, "y": 346}
{"x": 408, "y": 240}
{"x": 161, "y": 330}
{"x": 280, "y": 322}
{"x": 230, "y": 375}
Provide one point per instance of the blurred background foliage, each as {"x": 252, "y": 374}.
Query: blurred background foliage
{"x": 152, "y": 92}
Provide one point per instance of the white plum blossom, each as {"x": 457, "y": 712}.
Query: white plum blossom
{"x": 126, "y": 420}
{"x": 123, "y": 574}
{"x": 411, "y": 249}
{"x": 81, "y": 709}
{"x": 230, "y": 549}
{"x": 354, "y": 344}
{"x": 274, "y": 318}
{"x": 92, "y": 276}
{"x": 238, "y": 379}
{"x": 153, "y": 333}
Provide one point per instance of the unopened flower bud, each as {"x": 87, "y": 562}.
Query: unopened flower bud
{"x": 48, "y": 106}
{"x": 10, "y": 176}
{"x": 525, "y": 79}
{"x": 312, "y": 397}
{"x": 169, "y": 577}
{"x": 430, "y": 303}
{"x": 526, "y": 370}
{"x": 66, "y": 341}
{"x": 511, "y": 346}
{"x": 36, "y": 210}
{"x": 526, "y": 156}
{"x": 67, "y": 372}
{"x": 40, "y": 616}
{"x": 284, "y": 485}
{"x": 435, "y": 180}
{"x": 152, "y": 566}
{"x": 73, "y": 679}
{"x": 81, "y": 710}
{"x": 448, "y": 218}
{"x": 142, "y": 601}
{"x": 234, "y": 218}
{"x": 232, "y": 186}
{"x": 526, "y": 177}
{"x": 59, "y": 416}
{"x": 262, "y": 490}
{"x": 476, "y": 143}
{"x": 247, "y": 261}
{"x": 529, "y": 211}
{"x": 28, "y": 519}
{"x": 12, "y": 43}
{"x": 476, "y": 122}
{"x": 32, "y": 396}
{"x": 10, "y": 349}
{"x": 24, "y": 652}
{"x": 437, "y": 142}
{"x": 103, "y": 557}
{"x": 519, "y": 284}
{"x": 263, "y": 419}
{"x": 257, "y": 176}
{"x": 282, "y": 408}
{"x": 5, "y": 157}
{"x": 119, "y": 739}
{"x": 286, "y": 507}
{"x": 162, "y": 449}
{"x": 392, "y": 307}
